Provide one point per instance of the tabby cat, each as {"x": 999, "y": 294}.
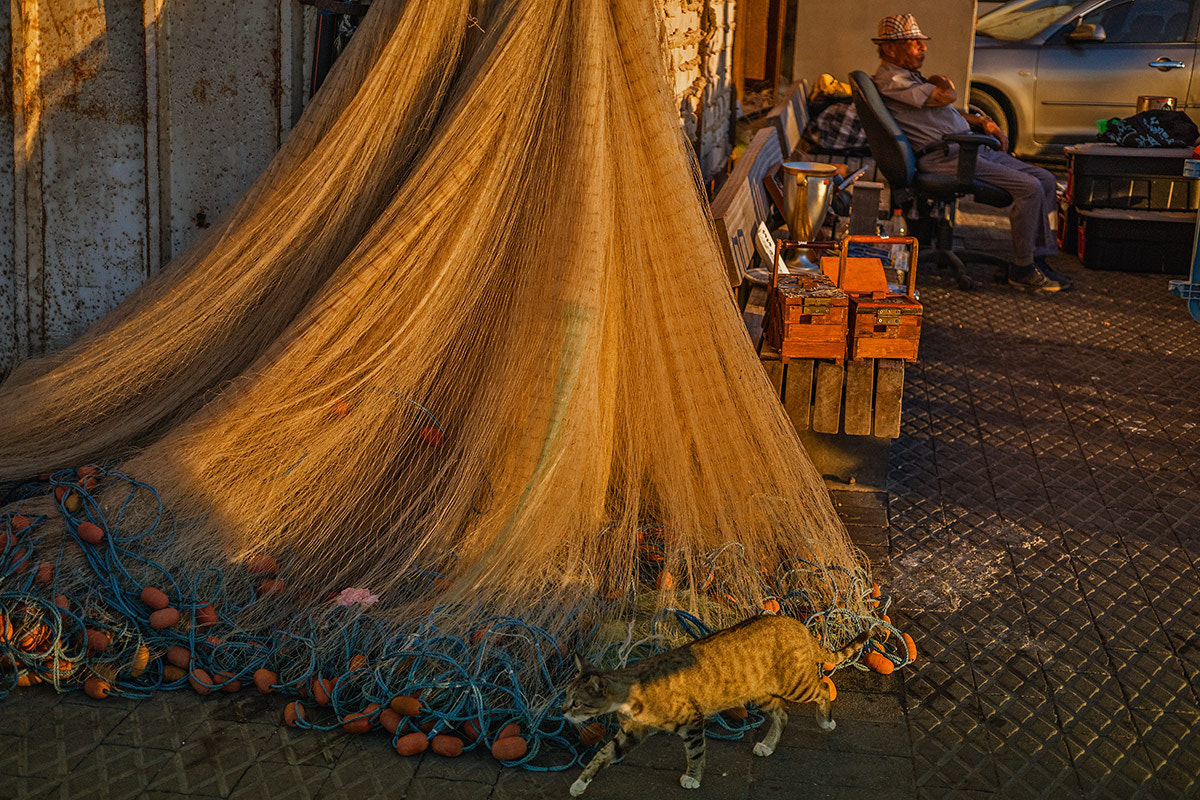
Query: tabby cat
{"x": 766, "y": 660}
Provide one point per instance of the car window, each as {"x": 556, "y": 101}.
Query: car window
{"x": 1016, "y": 21}
{"x": 1143, "y": 21}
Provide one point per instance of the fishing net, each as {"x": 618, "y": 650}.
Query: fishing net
{"x": 455, "y": 390}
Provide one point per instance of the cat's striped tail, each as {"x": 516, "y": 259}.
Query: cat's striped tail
{"x": 850, "y": 650}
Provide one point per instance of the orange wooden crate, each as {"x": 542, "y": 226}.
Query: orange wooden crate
{"x": 807, "y": 317}
{"x": 882, "y": 324}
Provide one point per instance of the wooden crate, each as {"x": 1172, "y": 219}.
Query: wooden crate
{"x": 883, "y": 324}
{"x": 885, "y": 327}
{"x": 807, "y": 316}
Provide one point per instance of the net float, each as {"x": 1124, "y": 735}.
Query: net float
{"x": 357, "y": 723}
{"x": 446, "y": 745}
{"x": 665, "y": 582}
{"x": 293, "y": 714}
{"x": 471, "y": 729}
{"x": 510, "y": 748}
{"x": 206, "y": 615}
{"x": 265, "y": 680}
{"x": 44, "y": 575}
{"x": 738, "y": 712}
{"x": 20, "y": 522}
{"x": 97, "y": 688}
{"x": 339, "y": 407}
{"x": 270, "y": 586}
{"x": 6, "y": 630}
{"x": 179, "y": 656}
{"x": 390, "y": 721}
{"x": 87, "y": 472}
{"x": 155, "y": 599}
{"x": 60, "y": 667}
{"x": 90, "y": 532}
{"x": 141, "y": 660}
{"x": 322, "y": 690}
{"x": 358, "y": 661}
{"x": 511, "y": 729}
{"x": 910, "y": 645}
{"x": 172, "y": 673}
{"x": 35, "y": 637}
{"x": 164, "y": 618}
{"x": 591, "y": 734}
{"x": 879, "y": 662}
{"x": 426, "y": 727}
{"x": 200, "y": 680}
{"x": 28, "y": 679}
{"x": 262, "y": 564}
{"x": 832, "y": 689}
{"x": 875, "y": 591}
{"x": 410, "y": 744}
{"x": 431, "y": 436}
{"x": 62, "y": 602}
{"x": 886, "y": 632}
{"x": 771, "y": 605}
{"x": 97, "y": 641}
{"x": 231, "y": 684}
{"x": 405, "y": 706}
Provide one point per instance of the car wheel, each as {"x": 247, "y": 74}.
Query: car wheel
{"x": 990, "y": 105}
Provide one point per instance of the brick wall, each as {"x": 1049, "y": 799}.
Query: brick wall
{"x": 700, "y": 35}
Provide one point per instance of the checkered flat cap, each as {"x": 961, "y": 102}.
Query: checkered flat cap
{"x": 897, "y": 27}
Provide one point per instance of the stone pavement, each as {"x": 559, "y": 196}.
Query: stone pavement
{"x": 1040, "y": 539}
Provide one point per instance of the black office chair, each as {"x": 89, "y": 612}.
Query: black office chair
{"x": 934, "y": 194}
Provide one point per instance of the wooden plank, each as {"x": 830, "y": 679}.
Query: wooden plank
{"x": 864, "y": 208}
{"x": 774, "y": 368}
{"x": 797, "y": 392}
{"x": 827, "y": 397}
{"x": 860, "y": 385}
{"x": 743, "y": 202}
{"x": 889, "y": 391}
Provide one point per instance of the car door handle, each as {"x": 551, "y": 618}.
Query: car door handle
{"x": 1164, "y": 64}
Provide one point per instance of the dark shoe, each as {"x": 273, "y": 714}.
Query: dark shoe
{"x": 1061, "y": 278}
{"x": 1031, "y": 279}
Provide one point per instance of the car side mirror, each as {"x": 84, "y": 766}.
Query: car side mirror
{"x": 1087, "y": 32}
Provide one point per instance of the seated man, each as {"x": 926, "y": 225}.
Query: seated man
{"x": 923, "y": 108}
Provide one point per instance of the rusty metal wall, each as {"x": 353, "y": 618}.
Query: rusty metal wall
{"x": 133, "y": 126}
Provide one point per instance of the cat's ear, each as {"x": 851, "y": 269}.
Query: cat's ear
{"x": 581, "y": 667}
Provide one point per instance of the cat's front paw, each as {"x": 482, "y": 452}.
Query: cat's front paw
{"x": 761, "y": 749}
{"x": 688, "y": 782}
{"x": 827, "y": 725}
{"x": 579, "y": 787}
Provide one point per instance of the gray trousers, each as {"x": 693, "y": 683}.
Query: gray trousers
{"x": 1032, "y": 189}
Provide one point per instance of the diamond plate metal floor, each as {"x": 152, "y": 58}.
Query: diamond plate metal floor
{"x": 1041, "y": 542}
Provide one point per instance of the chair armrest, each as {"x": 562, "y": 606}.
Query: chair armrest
{"x": 968, "y": 154}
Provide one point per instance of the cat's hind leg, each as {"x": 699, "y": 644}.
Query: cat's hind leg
{"x": 775, "y": 712}
{"x": 622, "y": 743}
{"x": 692, "y": 734}
{"x": 824, "y": 711}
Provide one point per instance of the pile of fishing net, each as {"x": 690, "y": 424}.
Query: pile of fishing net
{"x": 455, "y": 391}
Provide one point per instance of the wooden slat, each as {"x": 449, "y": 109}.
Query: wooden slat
{"x": 827, "y": 397}
{"x": 743, "y": 202}
{"x": 789, "y": 118}
{"x": 797, "y": 392}
{"x": 889, "y": 390}
{"x": 864, "y": 208}
{"x": 860, "y": 385}
{"x": 774, "y": 368}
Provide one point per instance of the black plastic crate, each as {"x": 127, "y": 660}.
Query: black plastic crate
{"x": 1136, "y": 241}
{"x": 1146, "y": 179}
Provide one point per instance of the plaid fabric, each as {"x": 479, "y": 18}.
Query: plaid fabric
{"x": 896, "y": 27}
{"x": 836, "y": 130}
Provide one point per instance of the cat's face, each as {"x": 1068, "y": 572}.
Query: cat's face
{"x": 589, "y": 695}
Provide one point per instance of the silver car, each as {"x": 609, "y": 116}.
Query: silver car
{"x": 1046, "y": 71}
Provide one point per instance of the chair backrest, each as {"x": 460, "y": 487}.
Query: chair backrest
{"x": 889, "y": 146}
